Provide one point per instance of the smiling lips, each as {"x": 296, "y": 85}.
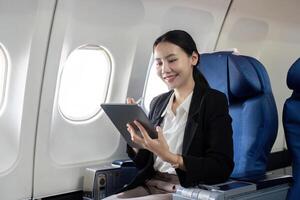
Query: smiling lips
{"x": 170, "y": 78}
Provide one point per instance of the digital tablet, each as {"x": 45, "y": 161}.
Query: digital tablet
{"x": 121, "y": 114}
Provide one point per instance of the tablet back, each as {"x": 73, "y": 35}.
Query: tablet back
{"x": 122, "y": 114}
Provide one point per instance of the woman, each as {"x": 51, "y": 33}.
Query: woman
{"x": 194, "y": 143}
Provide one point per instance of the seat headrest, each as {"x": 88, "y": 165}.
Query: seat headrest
{"x": 293, "y": 77}
{"x": 243, "y": 79}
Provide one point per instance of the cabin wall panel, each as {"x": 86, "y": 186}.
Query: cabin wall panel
{"x": 24, "y": 30}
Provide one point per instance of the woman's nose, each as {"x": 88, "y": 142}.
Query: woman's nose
{"x": 165, "y": 68}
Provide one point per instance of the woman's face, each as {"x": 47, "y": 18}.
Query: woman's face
{"x": 173, "y": 65}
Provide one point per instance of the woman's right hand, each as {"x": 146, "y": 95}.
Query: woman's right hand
{"x": 130, "y": 100}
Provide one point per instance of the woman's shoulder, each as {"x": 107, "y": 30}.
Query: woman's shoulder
{"x": 213, "y": 93}
{"x": 216, "y": 100}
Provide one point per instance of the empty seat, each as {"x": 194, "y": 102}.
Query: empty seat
{"x": 251, "y": 105}
{"x": 291, "y": 124}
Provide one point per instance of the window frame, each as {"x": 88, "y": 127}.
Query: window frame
{"x": 109, "y": 57}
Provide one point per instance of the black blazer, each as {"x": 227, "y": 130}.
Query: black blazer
{"x": 207, "y": 149}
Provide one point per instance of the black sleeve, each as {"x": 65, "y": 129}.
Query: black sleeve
{"x": 216, "y": 164}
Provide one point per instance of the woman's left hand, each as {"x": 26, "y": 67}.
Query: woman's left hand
{"x": 157, "y": 146}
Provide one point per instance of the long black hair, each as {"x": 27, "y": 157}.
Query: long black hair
{"x": 187, "y": 44}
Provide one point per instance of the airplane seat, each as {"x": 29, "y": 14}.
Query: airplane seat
{"x": 291, "y": 125}
{"x": 252, "y": 107}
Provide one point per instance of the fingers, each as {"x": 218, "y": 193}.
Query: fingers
{"x": 153, "y": 145}
{"x": 134, "y": 137}
{"x": 130, "y": 100}
{"x": 143, "y": 131}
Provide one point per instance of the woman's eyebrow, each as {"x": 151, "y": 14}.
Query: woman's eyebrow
{"x": 166, "y": 57}
{"x": 170, "y": 55}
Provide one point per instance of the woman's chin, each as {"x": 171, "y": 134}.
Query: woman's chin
{"x": 171, "y": 86}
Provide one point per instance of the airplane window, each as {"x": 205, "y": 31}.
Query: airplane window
{"x": 154, "y": 87}
{"x": 84, "y": 82}
{"x": 3, "y": 68}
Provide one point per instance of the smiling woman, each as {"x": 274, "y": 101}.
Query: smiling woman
{"x": 194, "y": 143}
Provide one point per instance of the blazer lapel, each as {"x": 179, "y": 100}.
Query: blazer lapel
{"x": 158, "y": 117}
{"x": 194, "y": 112}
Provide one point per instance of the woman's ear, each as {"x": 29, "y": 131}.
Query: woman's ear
{"x": 195, "y": 57}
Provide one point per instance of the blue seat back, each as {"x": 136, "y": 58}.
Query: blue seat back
{"x": 291, "y": 125}
{"x": 246, "y": 84}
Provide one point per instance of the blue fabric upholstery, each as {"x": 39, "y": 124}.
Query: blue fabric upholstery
{"x": 291, "y": 124}
{"x": 246, "y": 84}
{"x": 293, "y": 80}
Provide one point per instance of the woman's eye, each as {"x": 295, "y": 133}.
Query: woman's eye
{"x": 172, "y": 60}
{"x": 158, "y": 63}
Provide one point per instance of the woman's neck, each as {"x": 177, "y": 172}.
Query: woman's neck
{"x": 182, "y": 93}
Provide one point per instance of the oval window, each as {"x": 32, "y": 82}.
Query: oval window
{"x": 3, "y": 74}
{"x": 84, "y": 82}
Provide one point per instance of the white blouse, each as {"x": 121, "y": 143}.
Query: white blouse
{"x": 173, "y": 130}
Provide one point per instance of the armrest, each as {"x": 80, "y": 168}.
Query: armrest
{"x": 128, "y": 170}
{"x": 106, "y": 179}
{"x": 259, "y": 187}
{"x": 123, "y": 163}
{"x": 268, "y": 180}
